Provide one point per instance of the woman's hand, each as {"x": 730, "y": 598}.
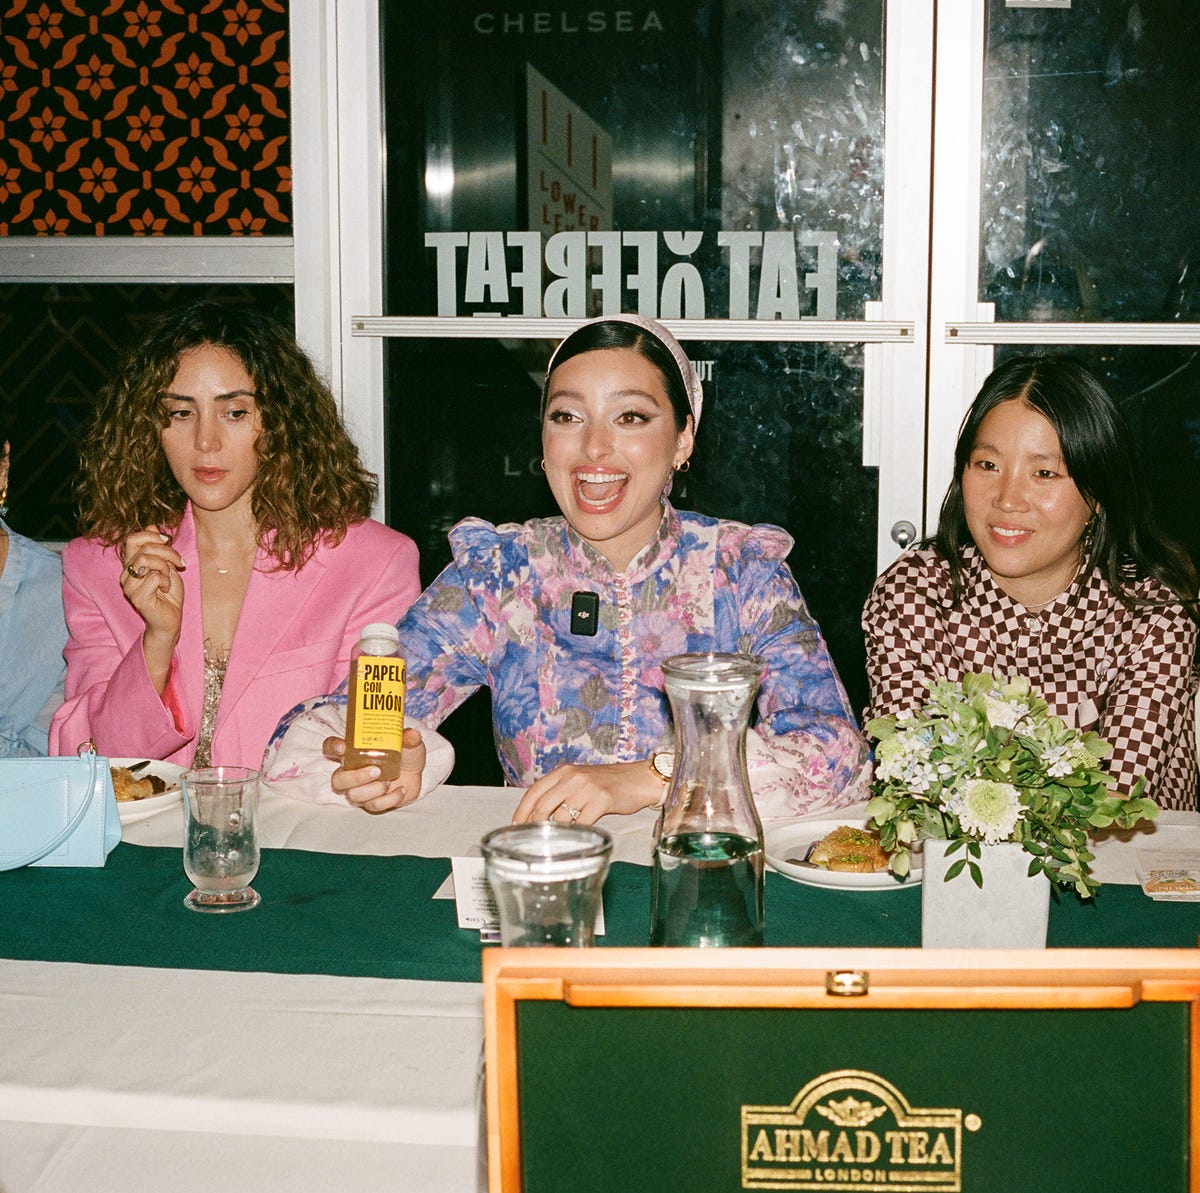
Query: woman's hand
{"x": 365, "y": 789}
{"x": 151, "y": 583}
{"x": 578, "y": 794}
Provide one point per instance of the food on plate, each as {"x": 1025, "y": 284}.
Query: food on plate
{"x": 852, "y": 850}
{"x": 128, "y": 787}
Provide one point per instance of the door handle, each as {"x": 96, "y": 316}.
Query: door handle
{"x": 903, "y": 533}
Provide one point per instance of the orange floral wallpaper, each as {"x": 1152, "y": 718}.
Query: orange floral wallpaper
{"x": 144, "y": 118}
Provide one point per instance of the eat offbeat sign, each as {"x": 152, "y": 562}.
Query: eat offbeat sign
{"x": 571, "y": 261}
{"x": 485, "y": 272}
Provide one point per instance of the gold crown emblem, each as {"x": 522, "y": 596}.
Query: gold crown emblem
{"x": 850, "y": 1112}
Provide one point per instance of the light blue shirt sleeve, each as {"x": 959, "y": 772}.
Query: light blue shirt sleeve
{"x": 33, "y": 633}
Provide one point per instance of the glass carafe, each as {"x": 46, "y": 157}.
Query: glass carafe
{"x": 708, "y": 856}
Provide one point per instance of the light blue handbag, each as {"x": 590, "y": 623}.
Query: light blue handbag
{"x": 57, "y": 812}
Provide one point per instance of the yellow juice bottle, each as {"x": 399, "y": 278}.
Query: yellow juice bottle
{"x": 375, "y": 707}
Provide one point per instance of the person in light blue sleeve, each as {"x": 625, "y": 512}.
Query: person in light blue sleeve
{"x": 33, "y": 633}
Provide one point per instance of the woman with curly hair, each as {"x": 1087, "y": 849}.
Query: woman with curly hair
{"x": 227, "y": 562}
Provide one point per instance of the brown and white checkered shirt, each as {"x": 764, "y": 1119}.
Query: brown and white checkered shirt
{"x": 1127, "y": 673}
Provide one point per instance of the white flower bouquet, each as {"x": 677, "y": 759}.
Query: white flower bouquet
{"x": 985, "y": 761}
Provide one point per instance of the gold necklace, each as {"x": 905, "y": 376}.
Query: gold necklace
{"x": 1047, "y": 603}
{"x": 246, "y": 556}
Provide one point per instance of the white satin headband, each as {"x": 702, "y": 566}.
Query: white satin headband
{"x": 687, "y": 371}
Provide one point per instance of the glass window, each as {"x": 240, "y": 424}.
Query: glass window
{"x": 1091, "y": 127}
{"x": 691, "y": 159}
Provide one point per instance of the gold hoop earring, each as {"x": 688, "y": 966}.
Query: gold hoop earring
{"x": 543, "y": 463}
{"x": 1089, "y": 536}
{"x": 683, "y": 466}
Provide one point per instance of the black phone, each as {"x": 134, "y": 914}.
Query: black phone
{"x": 585, "y": 613}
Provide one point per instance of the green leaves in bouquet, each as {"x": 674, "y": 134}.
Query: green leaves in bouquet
{"x": 985, "y": 761}
{"x": 971, "y": 861}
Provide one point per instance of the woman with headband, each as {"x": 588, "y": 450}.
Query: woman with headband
{"x": 567, "y": 619}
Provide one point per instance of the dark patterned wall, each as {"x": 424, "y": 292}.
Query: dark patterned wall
{"x": 124, "y": 118}
{"x": 144, "y": 118}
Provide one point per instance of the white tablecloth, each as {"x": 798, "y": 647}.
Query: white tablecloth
{"x": 451, "y": 820}
{"x": 448, "y": 822}
{"x": 150, "y": 1079}
{"x": 123, "y": 1078}
{"x": 128, "y": 1079}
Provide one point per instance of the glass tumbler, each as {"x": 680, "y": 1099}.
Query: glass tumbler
{"x": 546, "y": 879}
{"x": 220, "y": 848}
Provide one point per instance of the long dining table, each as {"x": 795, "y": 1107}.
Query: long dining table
{"x": 331, "y": 1038}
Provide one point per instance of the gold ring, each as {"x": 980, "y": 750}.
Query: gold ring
{"x": 136, "y": 573}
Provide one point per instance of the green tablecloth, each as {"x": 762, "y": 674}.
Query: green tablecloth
{"x": 375, "y": 916}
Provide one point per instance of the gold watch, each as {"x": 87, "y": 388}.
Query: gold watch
{"x": 662, "y": 763}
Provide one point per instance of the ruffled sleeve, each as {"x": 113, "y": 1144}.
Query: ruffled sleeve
{"x": 295, "y": 764}
{"x": 448, "y": 636}
{"x": 805, "y": 753}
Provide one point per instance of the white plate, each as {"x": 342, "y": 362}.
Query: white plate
{"x": 138, "y": 809}
{"x": 792, "y": 841}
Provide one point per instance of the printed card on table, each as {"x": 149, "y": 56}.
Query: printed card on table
{"x": 473, "y": 898}
{"x": 1170, "y": 877}
{"x": 472, "y": 895}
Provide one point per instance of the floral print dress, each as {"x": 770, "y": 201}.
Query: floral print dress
{"x": 500, "y": 616}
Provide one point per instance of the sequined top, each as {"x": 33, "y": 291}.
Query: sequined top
{"x": 1127, "y": 673}
{"x": 216, "y": 663}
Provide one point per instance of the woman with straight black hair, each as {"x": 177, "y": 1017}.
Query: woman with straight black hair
{"x": 1047, "y": 563}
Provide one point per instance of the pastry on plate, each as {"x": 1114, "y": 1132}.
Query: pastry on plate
{"x": 848, "y": 849}
{"x": 128, "y": 787}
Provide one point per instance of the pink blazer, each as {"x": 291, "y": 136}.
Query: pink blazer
{"x": 293, "y": 640}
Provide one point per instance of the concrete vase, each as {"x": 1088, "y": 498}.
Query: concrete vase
{"x": 1010, "y": 911}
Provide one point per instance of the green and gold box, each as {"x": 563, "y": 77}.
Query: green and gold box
{"x": 887, "y": 1070}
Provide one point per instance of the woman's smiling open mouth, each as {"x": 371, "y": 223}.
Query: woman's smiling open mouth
{"x": 599, "y": 491}
{"x": 1009, "y": 535}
